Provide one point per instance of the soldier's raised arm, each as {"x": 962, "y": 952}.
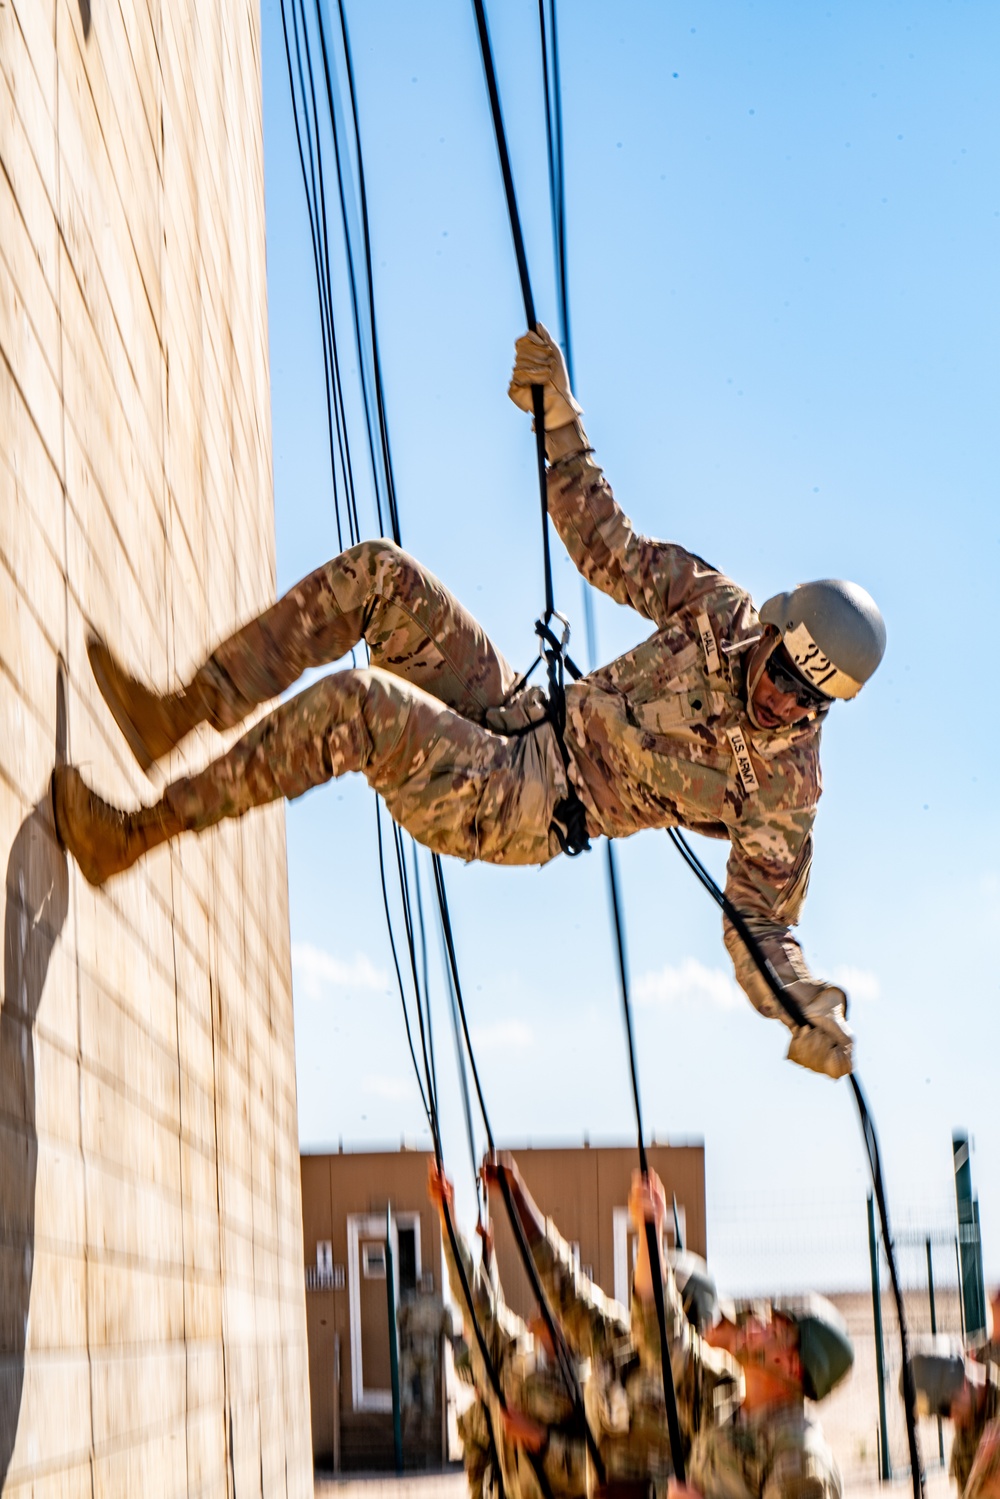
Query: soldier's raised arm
{"x": 591, "y": 1322}
{"x": 654, "y": 577}
{"x": 766, "y": 880}
{"x": 499, "y": 1325}
{"x": 707, "y": 1382}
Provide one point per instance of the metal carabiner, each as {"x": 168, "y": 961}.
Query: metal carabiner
{"x": 566, "y": 631}
{"x": 542, "y": 628}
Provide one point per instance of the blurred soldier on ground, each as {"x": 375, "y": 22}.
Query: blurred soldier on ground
{"x": 619, "y": 1370}
{"x": 712, "y": 724}
{"x": 791, "y": 1350}
{"x": 965, "y": 1386}
{"x": 422, "y": 1323}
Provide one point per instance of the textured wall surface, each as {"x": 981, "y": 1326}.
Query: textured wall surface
{"x": 152, "y": 1316}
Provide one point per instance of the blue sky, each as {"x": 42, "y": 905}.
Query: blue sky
{"x": 783, "y": 239}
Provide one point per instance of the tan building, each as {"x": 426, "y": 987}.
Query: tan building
{"x": 345, "y": 1199}
{"x": 152, "y": 1323}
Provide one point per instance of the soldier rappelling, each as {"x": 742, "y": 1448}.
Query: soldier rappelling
{"x": 712, "y": 723}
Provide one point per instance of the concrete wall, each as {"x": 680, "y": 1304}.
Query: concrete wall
{"x": 152, "y": 1318}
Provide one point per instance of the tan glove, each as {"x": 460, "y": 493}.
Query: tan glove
{"x": 827, "y": 1045}
{"x": 539, "y": 361}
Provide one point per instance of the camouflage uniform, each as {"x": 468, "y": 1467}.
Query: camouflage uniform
{"x": 437, "y": 726}
{"x": 422, "y": 1322}
{"x": 970, "y": 1475}
{"x": 650, "y": 736}
{"x": 624, "y": 1389}
{"x": 621, "y": 1376}
{"x": 530, "y": 1384}
{"x": 775, "y": 1454}
{"x": 479, "y": 1454}
{"x": 427, "y": 723}
{"x": 984, "y": 1479}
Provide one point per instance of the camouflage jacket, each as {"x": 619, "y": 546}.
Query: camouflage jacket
{"x": 778, "y": 1454}
{"x": 479, "y": 1454}
{"x": 968, "y": 1474}
{"x": 619, "y": 1369}
{"x": 623, "y": 1390}
{"x": 530, "y": 1384}
{"x": 661, "y": 736}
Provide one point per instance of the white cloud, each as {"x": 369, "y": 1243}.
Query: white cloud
{"x": 506, "y": 1034}
{"x": 860, "y": 983}
{"x": 689, "y": 982}
{"x": 315, "y": 970}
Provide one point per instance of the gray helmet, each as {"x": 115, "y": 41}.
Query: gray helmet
{"x": 833, "y": 632}
{"x": 825, "y": 1349}
{"x": 938, "y": 1373}
{"x": 696, "y": 1285}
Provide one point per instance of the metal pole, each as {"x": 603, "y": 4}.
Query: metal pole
{"x": 978, "y": 1247}
{"x": 975, "y": 1310}
{"x": 336, "y": 1402}
{"x": 885, "y": 1467}
{"x": 390, "y": 1291}
{"x": 930, "y": 1296}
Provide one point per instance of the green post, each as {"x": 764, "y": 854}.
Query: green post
{"x": 885, "y": 1467}
{"x": 973, "y": 1299}
{"x": 978, "y": 1245}
{"x": 930, "y": 1295}
{"x": 390, "y": 1291}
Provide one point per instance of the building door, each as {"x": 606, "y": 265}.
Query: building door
{"x": 371, "y": 1379}
{"x": 374, "y": 1312}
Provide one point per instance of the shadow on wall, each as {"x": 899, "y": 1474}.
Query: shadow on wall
{"x": 37, "y": 896}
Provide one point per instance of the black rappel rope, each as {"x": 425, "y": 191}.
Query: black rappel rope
{"x": 795, "y": 1012}
{"x": 571, "y": 809}
{"x": 564, "y": 1356}
{"x": 652, "y": 1238}
{"x": 521, "y": 257}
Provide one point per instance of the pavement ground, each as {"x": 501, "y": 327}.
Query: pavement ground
{"x": 451, "y": 1485}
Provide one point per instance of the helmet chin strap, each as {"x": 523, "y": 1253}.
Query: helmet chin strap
{"x": 759, "y": 657}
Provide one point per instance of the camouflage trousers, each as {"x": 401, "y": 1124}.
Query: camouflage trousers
{"x": 464, "y": 763}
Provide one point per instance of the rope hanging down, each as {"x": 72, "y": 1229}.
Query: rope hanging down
{"x": 564, "y": 1357}
{"x": 652, "y": 1239}
{"x": 571, "y": 811}
{"x": 313, "y": 178}
{"x": 354, "y": 223}
{"x": 795, "y": 1013}
{"x": 521, "y": 257}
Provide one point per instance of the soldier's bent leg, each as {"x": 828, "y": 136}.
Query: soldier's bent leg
{"x": 455, "y": 786}
{"x": 415, "y": 628}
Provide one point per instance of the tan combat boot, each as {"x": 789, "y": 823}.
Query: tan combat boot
{"x": 102, "y": 839}
{"x": 151, "y": 723}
